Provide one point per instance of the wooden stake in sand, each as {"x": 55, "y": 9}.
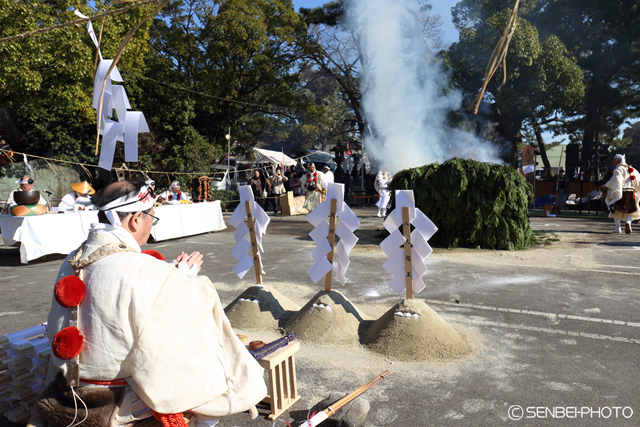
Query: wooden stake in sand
{"x": 325, "y": 232}
{"x": 254, "y": 243}
{"x": 408, "y": 268}
{"x": 407, "y": 249}
{"x": 332, "y": 240}
{"x": 332, "y": 409}
{"x": 256, "y": 227}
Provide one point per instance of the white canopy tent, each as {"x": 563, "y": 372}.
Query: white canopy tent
{"x": 275, "y": 157}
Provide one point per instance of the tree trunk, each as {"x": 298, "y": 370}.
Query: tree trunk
{"x": 543, "y": 153}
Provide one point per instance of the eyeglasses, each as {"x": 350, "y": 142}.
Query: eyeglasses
{"x": 155, "y": 219}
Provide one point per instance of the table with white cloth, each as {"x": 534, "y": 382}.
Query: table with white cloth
{"x": 46, "y": 234}
{"x": 187, "y": 219}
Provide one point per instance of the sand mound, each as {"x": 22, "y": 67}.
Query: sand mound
{"x": 260, "y": 308}
{"x": 327, "y": 317}
{"x": 297, "y": 205}
{"x": 413, "y": 331}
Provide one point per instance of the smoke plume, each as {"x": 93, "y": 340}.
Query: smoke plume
{"x": 403, "y": 96}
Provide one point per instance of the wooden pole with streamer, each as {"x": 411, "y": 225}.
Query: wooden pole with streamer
{"x": 123, "y": 45}
{"x": 408, "y": 268}
{"x": 254, "y": 243}
{"x": 332, "y": 240}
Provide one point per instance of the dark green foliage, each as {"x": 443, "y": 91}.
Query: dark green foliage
{"x": 473, "y": 204}
{"x": 228, "y": 199}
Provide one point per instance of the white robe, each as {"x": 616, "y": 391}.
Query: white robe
{"x": 620, "y": 180}
{"x": 313, "y": 198}
{"x": 70, "y": 200}
{"x": 174, "y": 196}
{"x": 382, "y": 185}
{"x": 162, "y": 330}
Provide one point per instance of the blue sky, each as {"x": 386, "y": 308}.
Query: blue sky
{"x": 440, "y": 7}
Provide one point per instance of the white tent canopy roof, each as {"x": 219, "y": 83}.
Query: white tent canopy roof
{"x": 274, "y": 157}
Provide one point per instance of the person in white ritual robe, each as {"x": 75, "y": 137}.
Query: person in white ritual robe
{"x": 26, "y": 184}
{"x": 78, "y": 198}
{"x": 313, "y": 183}
{"x": 328, "y": 175}
{"x": 155, "y": 327}
{"x": 622, "y": 194}
{"x": 174, "y": 193}
{"x": 381, "y": 183}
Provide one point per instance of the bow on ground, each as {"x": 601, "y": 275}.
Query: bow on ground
{"x": 332, "y": 409}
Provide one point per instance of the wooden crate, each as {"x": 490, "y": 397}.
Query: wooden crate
{"x": 286, "y": 203}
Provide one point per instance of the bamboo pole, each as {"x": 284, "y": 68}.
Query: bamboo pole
{"x": 254, "y": 243}
{"x": 498, "y": 56}
{"x": 408, "y": 269}
{"x": 332, "y": 240}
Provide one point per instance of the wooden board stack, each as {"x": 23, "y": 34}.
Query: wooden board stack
{"x": 24, "y": 357}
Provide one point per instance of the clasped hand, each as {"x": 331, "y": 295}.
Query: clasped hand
{"x": 194, "y": 258}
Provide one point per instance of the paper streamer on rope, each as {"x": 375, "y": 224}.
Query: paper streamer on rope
{"x": 129, "y": 124}
{"x": 92, "y": 33}
{"x": 344, "y": 230}
{"x": 26, "y": 162}
{"x": 243, "y": 246}
{"x": 424, "y": 229}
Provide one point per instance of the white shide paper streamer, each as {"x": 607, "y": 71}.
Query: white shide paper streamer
{"x": 423, "y": 230}
{"x": 344, "y": 230}
{"x": 129, "y": 124}
{"x": 243, "y": 246}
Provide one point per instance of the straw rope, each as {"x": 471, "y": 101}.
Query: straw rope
{"x": 10, "y": 154}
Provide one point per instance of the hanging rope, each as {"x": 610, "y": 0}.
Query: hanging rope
{"x": 499, "y": 55}
{"x": 11, "y": 153}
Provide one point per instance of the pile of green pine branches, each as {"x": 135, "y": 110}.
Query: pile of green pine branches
{"x": 473, "y": 204}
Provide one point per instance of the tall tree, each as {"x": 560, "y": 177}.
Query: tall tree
{"x": 604, "y": 36}
{"x": 237, "y": 57}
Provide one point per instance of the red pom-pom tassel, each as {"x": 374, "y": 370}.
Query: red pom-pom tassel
{"x": 67, "y": 343}
{"x": 154, "y": 254}
{"x": 69, "y": 291}
{"x": 170, "y": 420}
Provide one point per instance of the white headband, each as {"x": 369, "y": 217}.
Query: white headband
{"x": 22, "y": 181}
{"x": 141, "y": 202}
{"x": 620, "y": 157}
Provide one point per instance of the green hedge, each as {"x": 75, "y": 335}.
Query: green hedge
{"x": 228, "y": 199}
{"x": 473, "y": 204}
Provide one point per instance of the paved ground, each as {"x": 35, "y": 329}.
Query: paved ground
{"x": 555, "y": 329}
